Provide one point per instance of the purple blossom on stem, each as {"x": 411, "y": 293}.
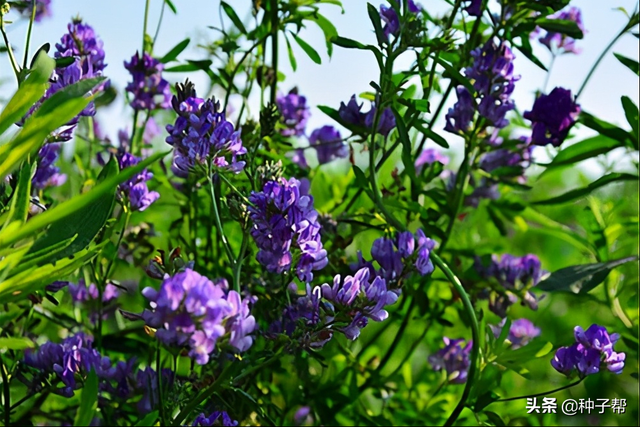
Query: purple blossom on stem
{"x": 47, "y": 174}
{"x": 474, "y": 8}
{"x": 148, "y": 88}
{"x": 552, "y": 116}
{"x": 81, "y": 41}
{"x": 191, "y": 310}
{"x": 453, "y": 359}
{"x": 428, "y": 157}
{"x": 283, "y": 216}
{"x": 592, "y": 351}
{"x": 217, "y": 418}
{"x": 351, "y": 112}
{"x": 294, "y": 112}
{"x": 201, "y": 133}
{"x": 460, "y": 116}
{"x": 135, "y": 189}
{"x": 391, "y": 20}
{"x": 521, "y": 332}
{"x": 396, "y": 255}
{"x": 386, "y": 121}
{"x": 328, "y": 144}
{"x": 559, "y": 43}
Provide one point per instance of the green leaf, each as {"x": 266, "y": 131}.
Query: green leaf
{"x": 233, "y": 16}
{"x": 83, "y": 225}
{"x": 432, "y": 135}
{"x": 606, "y": 128}
{"x": 494, "y": 418}
{"x": 580, "y": 279}
{"x": 455, "y": 75}
{"x": 329, "y": 30}
{"x": 349, "y": 43}
{"x": 361, "y": 179}
{"x": 590, "y": 147}
{"x": 562, "y": 26}
{"x": 535, "y": 349}
{"x": 16, "y": 343}
{"x": 632, "y": 115}
{"x": 39, "y": 222}
{"x": 192, "y": 65}
{"x": 527, "y": 50}
{"x": 171, "y": 6}
{"x": 175, "y": 51}
{"x": 88, "y": 401}
{"x": 22, "y": 196}
{"x": 333, "y": 113}
{"x": 30, "y": 91}
{"x": 403, "y": 134}
{"x": 149, "y": 419}
{"x": 311, "y": 52}
{"x": 54, "y": 112}
{"x": 292, "y": 58}
{"x": 581, "y": 192}
{"x": 631, "y": 64}
{"x": 374, "y": 17}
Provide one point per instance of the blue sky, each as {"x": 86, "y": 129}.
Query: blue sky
{"x": 119, "y": 23}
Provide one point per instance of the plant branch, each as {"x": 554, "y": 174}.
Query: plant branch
{"x": 28, "y": 41}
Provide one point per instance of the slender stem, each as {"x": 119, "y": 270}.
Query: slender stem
{"x": 225, "y": 242}
{"x": 26, "y": 45}
{"x": 274, "y": 48}
{"x": 546, "y": 79}
{"x": 6, "y": 388}
{"x": 12, "y": 59}
{"x": 236, "y": 68}
{"x": 132, "y": 141}
{"x": 155, "y": 36}
{"x": 144, "y": 28}
{"x": 555, "y": 390}
{"x": 475, "y": 334}
{"x": 163, "y": 419}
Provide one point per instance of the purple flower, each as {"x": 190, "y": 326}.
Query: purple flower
{"x": 294, "y": 112}
{"x": 518, "y": 158}
{"x": 148, "y": 88}
{"x": 592, "y": 351}
{"x": 283, "y": 216}
{"x": 201, "y": 133}
{"x": 428, "y": 157}
{"x": 217, "y": 418}
{"x": 297, "y": 156}
{"x": 147, "y": 381}
{"x": 328, "y": 144}
{"x": 303, "y": 416}
{"x": 561, "y": 43}
{"x": 56, "y": 286}
{"x": 474, "y": 8}
{"x": 135, "y": 189}
{"x": 351, "y": 112}
{"x": 43, "y": 9}
{"x": 83, "y": 293}
{"x": 48, "y": 175}
{"x": 521, "y": 332}
{"x": 453, "y": 359}
{"x": 391, "y": 20}
{"x": 552, "y": 117}
{"x": 191, "y": 310}
{"x": 386, "y": 121}
{"x": 81, "y": 41}
{"x": 460, "y": 116}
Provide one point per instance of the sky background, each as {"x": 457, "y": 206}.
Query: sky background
{"x": 119, "y": 24}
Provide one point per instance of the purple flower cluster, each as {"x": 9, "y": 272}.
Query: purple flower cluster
{"x": 135, "y": 190}
{"x": 351, "y": 114}
{"x": 391, "y": 19}
{"x": 454, "y": 359}
{"x": 47, "y": 174}
{"x": 552, "y": 116}
{"x": 592, "y": 351}
{"x": 517, "y": 158}
{"x": 395, "y": 255}
{"x": 428, "y": 157}
{"x": 521, "y": 332}
{"x": 81, "y": 293}
{"x": 328, "y": 144}
{"x": 294, "y": 113}
{"x": 363, "y": 296}
{"x": 43, "y": 9}
{"x": 148, "y": 88}
{"x": 474, "y": 8}
{"x": 191, "y": 310}
{"x": 82, "y": 42}
{"x": 75, "y": 357}
{"x": 561, "y": 43}
{"x": 283, "y": 217}
{"x": 217, "y": 418}
{"x": 201, "y": 133}
{"x": 516, "y": 275}
{"x": 494, "y": 82}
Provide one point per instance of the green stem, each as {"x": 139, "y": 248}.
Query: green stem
{"x": 475, "y": 335}
{"x": 255, "y": 368}
{"x": 6, "y": 387}
{"x": 163, "y": 419}
{"x": 26, "y": 46}
{"x": 144, "y": 28}
{"x": 155, "y": 36}
{"x": 12, "y": 59}
{"x": 546, "y": 79}
{"x": 555, "y": 390}
{"x": 274, "y": 48}
{"x": 132, "y": 141}
{"x": 223, "y": 238}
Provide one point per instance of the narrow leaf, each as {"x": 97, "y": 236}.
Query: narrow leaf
{"x": 606, "y": 128}
{"x": 374, "y": 17}
{"x": 12, "y": 343}
{"x": 631, "y": 113}
{"x": 432, "y": 135}
{"x": 562, "y": 26}
{"x": 175, "y": 51}
{"x": 581, "y": 192}
{"x": 171, "y": 6}
{"x": 311, "y": 52}
{"x": 631, "y": 64}
{"x": 88, "y": 401}
{"x": 590, "y": 147}
{"x": 329, "y": 30}
{"x": 579, "y": 279}
{"x": 234, "y": 17}
{"x": 292, "y": 58}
